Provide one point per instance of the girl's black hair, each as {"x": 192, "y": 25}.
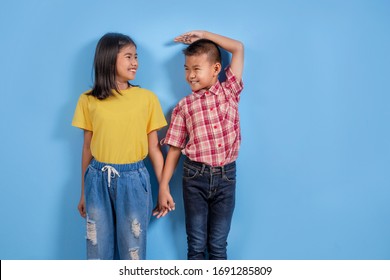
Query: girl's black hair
{"x": 104, "y": 63}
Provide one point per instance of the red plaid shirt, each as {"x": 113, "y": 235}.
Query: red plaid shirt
{"x": 206, "y": 124}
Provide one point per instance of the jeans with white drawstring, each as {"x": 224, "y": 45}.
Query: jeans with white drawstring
{"x": 119, "y": 206}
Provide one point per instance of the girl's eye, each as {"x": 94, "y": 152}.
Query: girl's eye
{"x": 131, "y": 57}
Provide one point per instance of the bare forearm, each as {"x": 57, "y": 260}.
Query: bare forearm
{"x": 157, "y": 161}
{"x": 155, "y": 154}
{"x": 86, "y": 160}
{"x": 231, "y": 45}
{"x": 170, "y": 165}
{"x": 86, "y": 156}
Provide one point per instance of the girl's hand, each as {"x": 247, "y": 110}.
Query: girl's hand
{"x": 165, "y": 204}
{"x": 159, "y": 212}
{"x": 189, "y": 37}
{"x": 81, "y": 207}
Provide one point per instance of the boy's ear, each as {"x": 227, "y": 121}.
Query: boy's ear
{"x": 217, "y": 68}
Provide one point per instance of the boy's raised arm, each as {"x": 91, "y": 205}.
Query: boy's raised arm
{"x": 236, "y": 48}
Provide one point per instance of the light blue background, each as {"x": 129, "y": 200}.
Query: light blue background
{"x": 313, "y": 171}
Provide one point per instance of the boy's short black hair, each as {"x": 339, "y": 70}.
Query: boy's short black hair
{"x": 206, "y": 46}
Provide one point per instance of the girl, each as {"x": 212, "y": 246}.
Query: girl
{"x": 120, "y": 123}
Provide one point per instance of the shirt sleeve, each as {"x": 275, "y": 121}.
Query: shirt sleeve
{"x": 177, "y": 132}
{"x": 82, "y": 117}
{"x": 234, "y": 85}
{"x": 156, "y": 115}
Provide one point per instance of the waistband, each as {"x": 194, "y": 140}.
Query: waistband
{"x": 213, "y": 169}
{"x": 119, "y": 167}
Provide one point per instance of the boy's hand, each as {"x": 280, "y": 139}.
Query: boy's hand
{"x": 165, "y": 204}
{"x": 236, "y": 48}
{"x": 189, "y": 37}
{"x": 159, "y": 212}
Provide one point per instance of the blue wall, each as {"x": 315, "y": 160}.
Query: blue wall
{"x": 313, "y": 172}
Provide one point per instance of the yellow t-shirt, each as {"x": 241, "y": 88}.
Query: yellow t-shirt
{"x": 120, "y": 124}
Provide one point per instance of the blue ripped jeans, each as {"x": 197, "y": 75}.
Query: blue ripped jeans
{"x": 209, "y": 200}
{"x": 119, "y": 204}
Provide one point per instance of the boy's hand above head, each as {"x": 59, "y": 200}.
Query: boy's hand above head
{"x": 236, "y": 48}
{"x": 189, "y": 37}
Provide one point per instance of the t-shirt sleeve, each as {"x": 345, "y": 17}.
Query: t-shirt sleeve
{"x": 234, "y": 85}
{"x": 156, "y": 116}
{"x": 177, "y": 132}
{"x": 82, "y": 117}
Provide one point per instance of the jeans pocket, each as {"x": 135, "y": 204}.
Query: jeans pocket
{"x": 230, "y": 176}
{"x": 190, "y": 173}
{"x": 90, "y": 179}
{"x": 145, "y": 179}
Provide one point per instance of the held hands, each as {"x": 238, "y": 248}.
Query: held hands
{"x": 165, "y": 204}
{"x": 190, "y": 37}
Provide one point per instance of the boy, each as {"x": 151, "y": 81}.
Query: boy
{"x": 205, "y": 128}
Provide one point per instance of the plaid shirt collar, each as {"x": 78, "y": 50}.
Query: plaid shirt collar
{"x": 214, "y": 89}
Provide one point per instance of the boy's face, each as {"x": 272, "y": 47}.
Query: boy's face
{"x": 200, "y": 72}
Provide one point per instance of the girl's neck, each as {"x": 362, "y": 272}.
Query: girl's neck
{"x": 122, "y": 85}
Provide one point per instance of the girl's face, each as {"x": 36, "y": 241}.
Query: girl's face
{"x": 126, "y": 64}
{"x": 200, "y": 73}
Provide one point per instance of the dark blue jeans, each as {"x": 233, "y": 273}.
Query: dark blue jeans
{"x": 209, "y": 199}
